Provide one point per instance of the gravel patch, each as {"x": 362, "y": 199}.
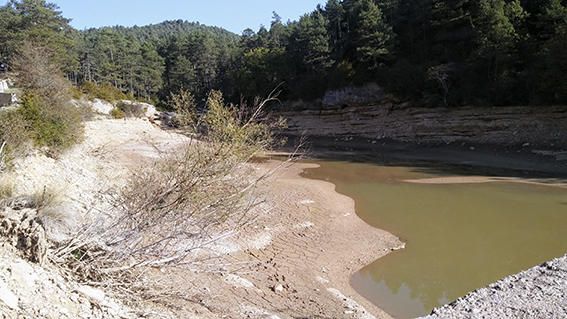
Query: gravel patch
{"x": 540, "y": 292}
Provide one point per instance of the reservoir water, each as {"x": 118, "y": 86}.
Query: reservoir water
{"x": 459, "y": 237}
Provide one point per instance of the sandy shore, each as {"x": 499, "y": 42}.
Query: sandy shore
{"x": 296, "y": 260}
{"x": 486, "y": 179}
{"x": 329, "y": 242}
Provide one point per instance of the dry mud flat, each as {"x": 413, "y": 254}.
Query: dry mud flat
{"x": 540, "y": 292}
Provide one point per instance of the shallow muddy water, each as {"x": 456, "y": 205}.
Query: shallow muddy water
{"x": 459, "y": 237}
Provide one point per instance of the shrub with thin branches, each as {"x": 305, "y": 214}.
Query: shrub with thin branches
{"x": 245, "y": 129}
{"x": 185, "y": 107}
{"x": 178, "y": 205}
{"x": 37, "y": 74}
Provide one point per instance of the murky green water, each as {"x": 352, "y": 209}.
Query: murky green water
{"x": 459, "y": 237}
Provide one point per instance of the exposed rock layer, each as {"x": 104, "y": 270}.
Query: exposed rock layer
{"x": 542, "y": 126}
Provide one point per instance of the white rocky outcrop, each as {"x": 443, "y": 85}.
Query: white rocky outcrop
{"x": 28, "y": 290}
{"x": 101, "y": 106}
{"x": 4, "y": 86}
{"x": 149, "y": 109}
{"x": 368, "y": 93}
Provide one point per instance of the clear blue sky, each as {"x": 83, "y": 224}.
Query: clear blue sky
{"x": 234, "y": 15}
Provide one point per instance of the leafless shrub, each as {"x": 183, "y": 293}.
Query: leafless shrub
{"x": 179, "y": 205}
{"x": 46, "y": 112}
{"x": 442, "y": 75}
{"x": 45, "y": 198}
{"x": 38, "y": 74}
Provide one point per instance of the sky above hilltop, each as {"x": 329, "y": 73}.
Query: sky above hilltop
{"x": 233, "y": 15}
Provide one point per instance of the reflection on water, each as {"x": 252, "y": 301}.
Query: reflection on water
{"x": 459, "y": 237}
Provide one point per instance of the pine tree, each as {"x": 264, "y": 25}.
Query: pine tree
{"x": 335, "y": 14}
{"x": 451, "y": 22}
{"x": 496, "y": 30}
{"x": 40, "y": 23}
{"x": 278, "y": 34}
{"x": 373, "y": 37}
{"x": 312, "y": 42}
{"x": 149, "y": 72}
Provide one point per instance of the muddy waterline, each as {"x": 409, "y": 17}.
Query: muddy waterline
{"x": 460, "y": 237}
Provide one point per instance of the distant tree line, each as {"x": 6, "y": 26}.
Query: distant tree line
{"x": 435, "y": 52}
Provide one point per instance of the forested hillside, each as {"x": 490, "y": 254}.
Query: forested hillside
{"x": 435, "y": 52}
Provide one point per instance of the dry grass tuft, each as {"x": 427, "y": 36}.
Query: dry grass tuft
{"x": 46, "y": 198}
{"x": 6, "y": 188}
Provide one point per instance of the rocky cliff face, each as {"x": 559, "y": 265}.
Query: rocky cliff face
{"x": 537, "y": 126}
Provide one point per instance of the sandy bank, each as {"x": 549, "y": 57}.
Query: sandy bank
{"x": 486, "y": 179}
{"x": 296, "y": 259}
{"x": 329, "y": 241}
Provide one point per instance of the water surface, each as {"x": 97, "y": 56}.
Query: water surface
{"x": 459, "y": 237}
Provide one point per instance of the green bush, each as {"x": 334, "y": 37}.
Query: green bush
{"x": 185, "y": 107}
{"x": 13, "y": 132}
{"x": 76, "y": 93}
{"x": 54, "y": 126}
{"x": 117, "y": 113}
{"x": 45, "y": 116}
{"x": 105, "y": 92}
